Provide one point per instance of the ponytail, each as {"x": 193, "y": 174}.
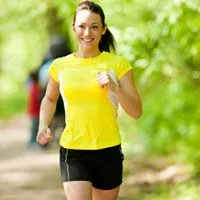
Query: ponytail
{"x": 107, "y": 42}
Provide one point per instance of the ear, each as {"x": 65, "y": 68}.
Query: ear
{"x": 104, "y": 30}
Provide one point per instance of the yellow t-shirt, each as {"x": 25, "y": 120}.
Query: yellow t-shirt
{"x": 90, "y": 111}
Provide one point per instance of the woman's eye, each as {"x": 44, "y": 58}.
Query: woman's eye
{"x": 81, "y": 26}
{"x": 94, "y": 27}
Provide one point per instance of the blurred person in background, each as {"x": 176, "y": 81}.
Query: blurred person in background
{"x": 91, "y": 81}
{"x": 58, "y": 48}
{"x": 33, "y": 108}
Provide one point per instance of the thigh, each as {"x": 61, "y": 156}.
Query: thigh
{"x": 73, "y": 166}
{"x": 107, "y": 168}
{"x": 98, "y": 194}
{"x": 78, "y": 190}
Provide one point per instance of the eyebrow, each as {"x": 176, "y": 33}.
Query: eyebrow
{"x": 94, "y": 23}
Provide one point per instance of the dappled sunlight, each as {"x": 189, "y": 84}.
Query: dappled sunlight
{"x": 162, "y": 42}
{"x": 34, "y": 160}
{"x": 26, "y": 172}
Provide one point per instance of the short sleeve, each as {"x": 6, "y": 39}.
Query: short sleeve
{"x": 122, "y": 67}
{"x": 53, "y": 71}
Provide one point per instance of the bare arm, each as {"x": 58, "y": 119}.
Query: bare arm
{"x": 128, "y": 96}
{"x": 126, "y": 92}
{"x": 47, "y": 110}
{"x": 48, "y": 105}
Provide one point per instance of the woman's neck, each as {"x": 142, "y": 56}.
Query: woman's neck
{"x": 87, "y": 54}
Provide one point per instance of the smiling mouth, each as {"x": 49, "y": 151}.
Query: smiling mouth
{"x": 87, "y": 40}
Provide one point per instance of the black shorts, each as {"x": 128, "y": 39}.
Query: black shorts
{"x": 103, "y": 168}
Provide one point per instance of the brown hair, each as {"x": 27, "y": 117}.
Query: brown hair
{"x": 107, "y": 42}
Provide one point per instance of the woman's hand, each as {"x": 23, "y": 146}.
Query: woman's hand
{"x": 44, "y": 136}
{"x": 104, "y": 79}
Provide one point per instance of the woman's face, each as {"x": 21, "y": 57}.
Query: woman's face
{"x": 88, "y": 29}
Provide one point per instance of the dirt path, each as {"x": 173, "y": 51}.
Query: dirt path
{"x": 26, "y": 174}
{"x": 34, "y": 175}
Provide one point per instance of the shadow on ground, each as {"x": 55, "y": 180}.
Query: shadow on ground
{"x": 34, "y": 174}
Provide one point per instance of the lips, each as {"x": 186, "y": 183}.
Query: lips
{"x": 87, "y": 39}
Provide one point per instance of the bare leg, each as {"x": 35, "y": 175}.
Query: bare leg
{"x": 98, "y": 194}
{"x": 78, "y": 190}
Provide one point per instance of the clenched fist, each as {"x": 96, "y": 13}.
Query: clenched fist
{"x": 44, "y": 137}
{"x": 104, "y": 79}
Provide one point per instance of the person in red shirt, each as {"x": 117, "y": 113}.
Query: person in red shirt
{"x": 34, "y": 100}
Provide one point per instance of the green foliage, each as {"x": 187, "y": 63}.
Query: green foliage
{"x": 27, "y": 27}
{"x": 163, "y": 46}
{"x": 186, "y": 191}
{"x": 160, "y": 38}
{"x": 12, "y": 104}
{"x": 162, "y": 41}
{"x": 131, "y": 141}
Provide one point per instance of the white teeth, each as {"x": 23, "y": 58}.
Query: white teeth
{"x": 87, "y": 40}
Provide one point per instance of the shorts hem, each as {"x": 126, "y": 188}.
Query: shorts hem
{"x": 107, "y": 187}
{"x": 65, "y": 181}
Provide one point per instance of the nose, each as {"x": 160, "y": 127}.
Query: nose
{"x": 87, "y": 31}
